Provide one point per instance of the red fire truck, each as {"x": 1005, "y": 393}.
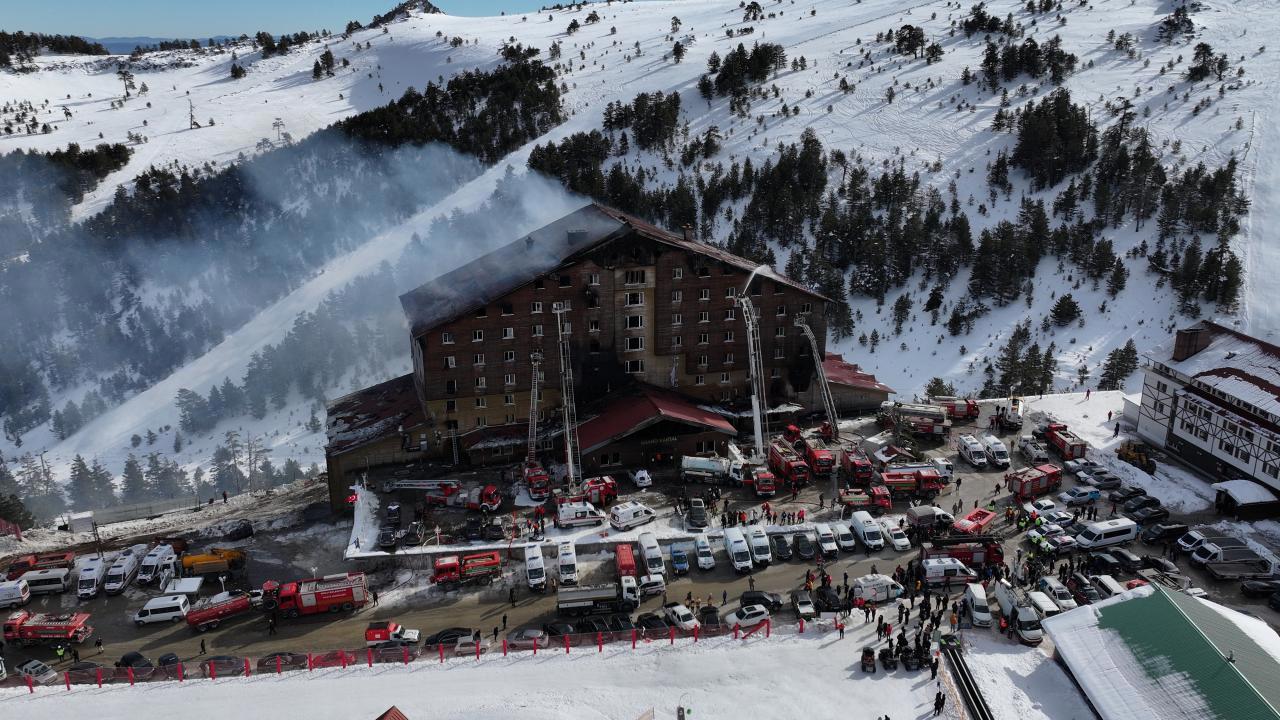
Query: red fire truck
{"x": 208, "y": 613}
{"x": 484, "y": 498}
{"x": 35, "y": 629}
{"x": 855, "y": 467}
{"x": 454, "y": 570}
{"x": 787, "y": 464}
{"x": 921, "y": 419}
{"x": 1068, "y": 444}
{"x": 537, "y": 480}
{"x": 972, "y": 550}
{"x": 760, "y": 480}
{"x": 817, "y": 452}
{"x": 331, "y": 593}
{"x": 974, "y": 522}
{"x": 599, "y": 491}
{"x": 27, "y": 563}
{"x": 956, "y": 407}
{"x": 916, "y": 482}
{"x": 875, "y": 499}
{"x": 1032, "y": 481}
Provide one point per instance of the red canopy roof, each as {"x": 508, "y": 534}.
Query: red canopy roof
{"x": 840, "y": 372}
{"x": 648, "y": 406}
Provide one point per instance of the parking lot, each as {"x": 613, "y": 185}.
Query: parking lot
{"x": 293, "y": 554}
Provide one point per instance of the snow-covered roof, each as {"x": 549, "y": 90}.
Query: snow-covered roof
{"x": 374, "y": 413}
{"x": 495, "y": 274}
{"x": 1231, "y": 362}
{"x": 1245, "y": 492}
{"x": 1151, "y": 652}
{"x": 840, "y": 372}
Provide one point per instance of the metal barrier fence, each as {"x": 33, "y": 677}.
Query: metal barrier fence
{"x": 278, "y": 663}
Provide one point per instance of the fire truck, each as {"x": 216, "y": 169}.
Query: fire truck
{"x": 537, "y": 480}
{"x": 208, "y": 613}
{"x": 956, "y": 408}
{"x": 27, "y": 563}
{"x": 340, "y": 592}
{"x": 1068, "y": 444}
{"x": 450, "y": 493}
{"x": 855, "y": 467}
{"x": 598, "y": 491}
{"x": 35, "y": 629}
{"x": 876, "y": 499}
{"x": 787, "y": 463}
{"x": 760, "y": 480}
{"x": 818, "y": 453}
{"x": 972, "y": 550}
{"x": 455, "y": 570}
{"x": 974, "y": 522}
{"x": 1032, "y": 481}
{"x": 918, "y": 483}
{"x": 921, "y": 419}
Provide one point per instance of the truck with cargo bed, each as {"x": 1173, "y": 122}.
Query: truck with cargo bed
{"x": 616, "y": 597}
{"x": 208, "y": 613}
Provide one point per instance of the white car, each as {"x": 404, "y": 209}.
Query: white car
{"x": 897, "y": 538}
{"x": 677, "y": 614}
{"x": 1047, "y": 530}
{"x": 1063, "y": 543}
{"x": 747, "y": 615}
{"x": 1041, "y": 506}
{"x": 702, "y": 550}
{"x": 1060, "y": 517}
{"x": 641, "y": 479}
{"x": 1078, "y": 496}
{"x": 38, "y": 672}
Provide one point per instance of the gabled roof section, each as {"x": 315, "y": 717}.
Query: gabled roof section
{"x": 1239, "y": 365}
{"x": 373, "y": 414}
{"x": 497, "y": 273}
{"x": 840, "y": 372}
{"x": 648, "y": 406}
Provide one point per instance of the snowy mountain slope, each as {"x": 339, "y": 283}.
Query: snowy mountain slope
{"x": 923, "y": 127}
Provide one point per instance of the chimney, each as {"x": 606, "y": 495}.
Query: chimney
{"x": 688, "y": 232}
{"x": 1190, "y": 341}
{"x": 576, "y": 236}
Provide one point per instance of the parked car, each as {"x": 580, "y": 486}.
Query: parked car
{"x": 803, "y": 546}
{"x": 771, "y": 601}
{"x": 134, "y": 660}
{"x": 746, "y": 616}
{"x": 39, "y": 673}
{"x": 1260, "y": 588}
{"x": 781, "y": 550}
{"x": 1041, "y": 506}
{"x": 1127, "y": 560}
{"x": 1063, "y": 543}
{"x": 680, "y": 616}
{"x": 1100, "y": 563}
{"x": 448, "y": 636}
{"x": 641, "y": 479}
{"x": 802, "y": 604}
{"x": 1125, "y": 493}
{"x": 1140, "y": 502}
{"x": 1082, "y": 590}
{"x": 709, "y": 616}
{"x": 416, "y": 534}
{"x": 651, "y": 621}
{"x": 896, "y": 537}
{"x": 1061, "y": 518}
{"x": 696, "y": 518}
{"x": 1101, "y": 479}
{"x": 222, "y": 666}
{"x": 558, "y": 629}
{"x": 1163, "y": 531}
{"x": 394, "y": 651}
{"x": 621, "y": 624}
{"x": 1079, "y": 495}
{"x": 1044, "y": 531}
{"x": 679, "y": 561}
{"x": 468, "y": 646}
{"x": 288, "y": 661}
{"x": 333, "y": 658}
{"x": 1164, "y": 565}
{"x": 1148, "y": 515}
{"x": 388, "y": 536}
{"x": 1080, "y": 465}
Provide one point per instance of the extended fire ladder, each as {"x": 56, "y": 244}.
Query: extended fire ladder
{"x": 535, "y": 359}
{"x": 756, "y": 368}
{"x": 571, "y": 450}
{"x": 828, "y": 402}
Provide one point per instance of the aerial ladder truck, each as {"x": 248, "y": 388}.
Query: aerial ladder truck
{"x": 756, "y": 368}
{"x": 823, "y": 452}
{"x": 536, "y": 478}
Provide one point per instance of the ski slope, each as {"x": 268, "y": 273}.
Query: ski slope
{"x": 922, "y": 126}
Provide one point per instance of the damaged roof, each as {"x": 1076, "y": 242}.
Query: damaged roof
{"x": 373, "y": 414}
{"x": 648, "y": 406}
{"x": 840, "y": 372}
{"x": 497, "y": 273}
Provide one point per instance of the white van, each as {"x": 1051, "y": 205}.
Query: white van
{"x": 166, "y": 608}
{"x": 651, "y": 555}
{"x": 92, "y": 573}
{"x": 937, "y": 571}
{"x": 971, "y": 450}
{"x": 975, "y": 598}
{"x": 161, "y": 558}
{"x": 124, "y": 570}
{"x": 1057, "y": 592}
{"x": 574, "y": 514}
{"x": 49, "y": 581}
{"x": 535, "y": 568}
{"x": 1044, "y": 606}
{"x": 875, "y": 588}
{"x": 997, "y": 453}
{"x": 826, "y": 540}
{"x": 1023, "y": 620}
{"x": 14, "y": 593}
{"x": 844, "y": 537}
{"x": 1106, "y": 585}
{"x": 702, "y": 550}
{"x": 567, "y": 563}
{"x": 761, "y": 554}
{"x": 735, "y": 546}
{"x": 1105, "y": 533}
{"x": 627, "y": 515}
{"x": 867, "y": 530}
{"x": 650, "y": 585}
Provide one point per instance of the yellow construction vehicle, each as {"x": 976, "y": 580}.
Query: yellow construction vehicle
{"x": 1137, "y": 454}
{"x": 215, "y": 560}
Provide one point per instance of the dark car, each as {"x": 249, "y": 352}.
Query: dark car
{"x": 1125, "y": 494}
{"x": 709, "y": 616}
{"x": 133, "y": 659}
{"x": 781, "y": 550}
{"x": 222, "y": 666}
{"x": 1260, "y": 588}
{"x": 474, "y": 529}
{"x": 803, "y": 546}
{"x": 391, "y": 651}
{"x": 770, "y": 600}
{"x": 1101, "y": 563}
{"x": 1142, "y": 501}
{"x": 388, "y": 536}
{"x": 286, "y": 661}
{"x": 1274, "y": 601}
{"x": 591, "y": 625}
{"x": 499, "y": 528}
{"x": 559, "y": 629}
{"x": 238, "y": 530}
{"x": 448, "y": 636}
{"x": 1082, "y": 591}
{"x": 651, "y": 621}
{"x": 1127, "y": 560}
{"x": 620, "y": 624}
{"x": 87, "y": 672}
{"x": 1148, "y": 515}
{"x": 825, "y": 599}
{"x": 1163, "y": 531}
{"x": 416, "y": 534}
{"x": 1164, "y": 565}
{"x": 697, "y": 517}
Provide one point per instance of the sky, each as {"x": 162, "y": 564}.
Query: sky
{"x": 187, "y": 18}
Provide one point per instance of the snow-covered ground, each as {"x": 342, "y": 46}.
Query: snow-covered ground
{"x": 1019, "y": 683}
{"x": 784, "y": 676}
{"x": 624, "y": 54}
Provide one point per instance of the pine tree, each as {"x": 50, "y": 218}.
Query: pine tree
{"x": 177, "y": 442}
{"x": 104, "y": 490}
{"x": 316, "y": 71}
{"x": 1119, "y": 276}
{"x": 151, "y": 437}
{"x": 937, "y": 386}
{"x": 1065, "y": 311}
{"x": 40, "y": 492}
{"x": 133, "y": 484}
{"x": 677, "y": 51}
{"x": 12, "y": 508}
{"x": 80, "y": 485}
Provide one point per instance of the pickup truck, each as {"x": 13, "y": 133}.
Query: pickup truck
{"x": 1250, "y": 569}
{"x": 1033, "y": 450}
